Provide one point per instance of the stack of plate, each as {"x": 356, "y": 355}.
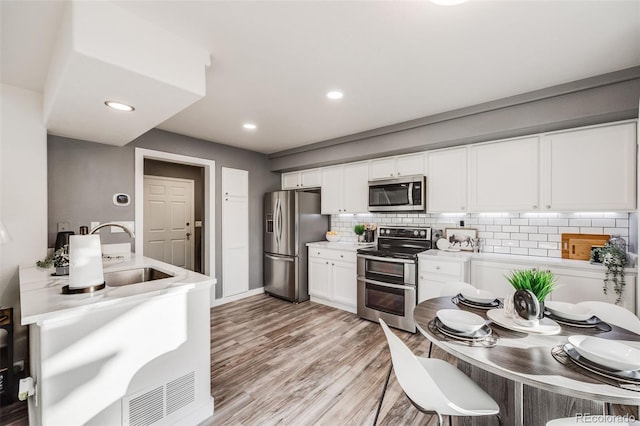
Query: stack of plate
{"x": 461, "y": 325}
{"x": 572, "y": 314}
{"x": 608, "y": 357}
{"x": 477, "y": 298}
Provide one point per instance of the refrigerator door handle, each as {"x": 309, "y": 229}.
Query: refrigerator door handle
{"x": 278, "y": 258}
{"x": 275, "y": 222}
{"x": 279, "y": 222}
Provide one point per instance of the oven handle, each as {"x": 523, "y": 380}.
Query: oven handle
{"x": 386, "y": 259}
{"x": 401, "y": 287}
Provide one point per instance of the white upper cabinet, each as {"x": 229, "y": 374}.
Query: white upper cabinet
{"x": 345, "y": 189}
{"x": 592, "y": 168}
{"x": 401, "y": 165}
{"x": 235, "y": 182}
{"x": 504, "y": 176}
{"x": 303, "y": 179}
{"x": 447, "y": 180}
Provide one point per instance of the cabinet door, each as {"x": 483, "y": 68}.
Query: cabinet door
{"x": 355, "y": 188}
{"x": 344, "y": 282}
{"x": 310, "y": 178}
{"x": 291, "y": 180}
{"x": 235, "y": 182}
{"x": 382, "y": 168}
{"x": 331, "y": 190}
{"x": 580, "y": 286}
{"x": 235, "y": 245}
{"x": 491, "y": 276}
{"x": 430, "y": 286}
{"x": 590, "y": 169}
{"x": 447, "y": 180}
{"x": 504, "y": 176}
{"x": 412, "y": 164}
{"x": 319, "y": 277}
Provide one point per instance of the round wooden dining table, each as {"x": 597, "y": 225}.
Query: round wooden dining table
{"x": 520, "y": 372}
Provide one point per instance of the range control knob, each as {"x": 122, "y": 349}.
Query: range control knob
{"x": 415, "y": 233}
{"x": 388, "y": 231}
{"x": 423, "y": 233}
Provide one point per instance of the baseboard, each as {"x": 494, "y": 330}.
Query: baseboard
{"x": 240, "y": 296}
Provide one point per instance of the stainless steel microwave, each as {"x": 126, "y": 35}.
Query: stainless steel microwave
{"x": 398, "y": 194}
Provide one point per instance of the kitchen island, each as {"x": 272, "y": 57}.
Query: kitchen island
{"x": 130, "y": 354}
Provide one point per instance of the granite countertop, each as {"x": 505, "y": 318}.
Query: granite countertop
{"x": 41, "y": 295}
{"x": 513, "y": 258}
{"x": 348, "y": 246}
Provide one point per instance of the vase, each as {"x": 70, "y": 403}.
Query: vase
{"x": 361, "y": 238}
{"x": 541, "y": 312}
{"x": 62, "y": 270}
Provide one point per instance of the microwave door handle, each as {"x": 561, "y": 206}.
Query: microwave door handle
{"x": 411, "y": 193}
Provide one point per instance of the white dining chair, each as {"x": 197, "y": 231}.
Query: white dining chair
{"x": 593, "y": 420}
{"x": 434, "y": 386}
{"x": 614, "y": 314}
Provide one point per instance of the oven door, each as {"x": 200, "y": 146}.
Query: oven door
{"x": 387, "y": 269}
{"x": 393, "y": 303}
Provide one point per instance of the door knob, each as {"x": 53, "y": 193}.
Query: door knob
{"x": 188, "y": 235}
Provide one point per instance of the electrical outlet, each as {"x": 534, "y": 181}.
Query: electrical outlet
{"x": 64, "y": 226}
{"x": 93, "y": 225}
{"x": 128, "y": 224}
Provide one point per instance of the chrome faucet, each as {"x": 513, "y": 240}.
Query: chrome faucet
{"x": 119, "y": 225}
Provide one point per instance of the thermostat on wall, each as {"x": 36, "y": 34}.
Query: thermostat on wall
{"x": 121, "y": 199}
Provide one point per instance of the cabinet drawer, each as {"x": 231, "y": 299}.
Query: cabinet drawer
{"x": 345, "y": 256}
{"x": 446, "y": 268}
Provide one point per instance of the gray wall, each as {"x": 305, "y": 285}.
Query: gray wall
{"x": 83, "y": 176}
{"x": 595, "y": 100}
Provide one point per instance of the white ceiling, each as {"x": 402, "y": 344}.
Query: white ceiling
{"x": 273, "y": 62}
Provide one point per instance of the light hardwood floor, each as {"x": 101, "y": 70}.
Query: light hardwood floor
{"x": 274, "y": 362}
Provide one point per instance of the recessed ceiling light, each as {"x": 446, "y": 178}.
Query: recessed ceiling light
{"x": 249, "y": 126}
{"x": 119, "y": 106}
{"x": 335, "y": 95}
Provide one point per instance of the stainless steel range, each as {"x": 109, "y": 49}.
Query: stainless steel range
{"x": 388, "y": 276}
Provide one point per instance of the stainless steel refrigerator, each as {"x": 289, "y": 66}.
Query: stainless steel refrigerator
{"x": 292, "y": 219}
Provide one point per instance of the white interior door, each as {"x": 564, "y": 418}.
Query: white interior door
{"x": 168, "y": 220}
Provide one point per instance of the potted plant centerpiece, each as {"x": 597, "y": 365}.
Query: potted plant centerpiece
{"x": 540, "y": 283}
{"x": 359, "y": 230}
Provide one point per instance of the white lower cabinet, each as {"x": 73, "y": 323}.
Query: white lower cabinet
{"x": 434, "y": 274}
{"x": 573, "y": 284}
{"x": 333, "y": 278}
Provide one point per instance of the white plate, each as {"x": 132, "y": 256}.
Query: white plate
{"x": 608, "y": 353}
{"x": 545, "y": 325}
{"x": 477, "y": 295}
{"x": 442, "y": 244}
{"x": 464, "y": 321}
{"x": 569, "y": 311}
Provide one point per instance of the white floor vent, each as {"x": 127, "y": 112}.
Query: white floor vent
{"x": 153, "y": 405}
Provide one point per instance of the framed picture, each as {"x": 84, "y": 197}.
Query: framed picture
{"x": 462, "y": 238}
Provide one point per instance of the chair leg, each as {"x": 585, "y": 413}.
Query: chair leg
{"x": 430, "y": 347}
{"x": 384, "y": 390}
{"x": 450, "y": 421}
{"x": 499, "y": 419}
{"x": 608, "y": 408}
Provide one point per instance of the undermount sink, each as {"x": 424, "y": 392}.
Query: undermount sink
{"x": 133, "y": 276}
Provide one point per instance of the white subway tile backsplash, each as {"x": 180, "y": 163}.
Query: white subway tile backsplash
{"x": 548, "y": 230}
{"x": 579, "y": 222}
{"x": 522, "y": 234}
{"x": 519, "y": 236}
{"x": 529, "y": 229}
{"x": 538, "y": 252}
{"x": 591, "y": 230}
{"x": 558, "y": 222}
{"x": 610, "y": 223}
